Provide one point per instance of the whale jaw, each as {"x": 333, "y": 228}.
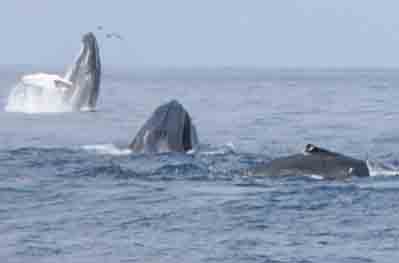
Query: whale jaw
{"x": 169, "y": 129}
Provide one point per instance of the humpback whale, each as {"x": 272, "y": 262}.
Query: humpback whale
{"x": 85, "y": 75}
{"x": 169, "y": 129}
{"x": 77, "y": 90}
{"x": 314, "y": 161}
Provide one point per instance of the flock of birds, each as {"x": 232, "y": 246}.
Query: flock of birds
{"x": 112, "y": 34}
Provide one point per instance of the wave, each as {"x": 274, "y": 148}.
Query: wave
{"x": 228, "y": 148}
{"x": 382, "y": 169}
{"x": 203, "y": 150}
{"x": 219, "y": 163}
{"x": 107, "y": 149}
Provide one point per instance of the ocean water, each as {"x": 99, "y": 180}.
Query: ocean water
{"x": 70, "y": 190}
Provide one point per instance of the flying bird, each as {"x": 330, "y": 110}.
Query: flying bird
{"x": 114, "y": 35}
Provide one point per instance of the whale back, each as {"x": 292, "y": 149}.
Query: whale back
{"x": 85, "y": 74}
{"x": 315, "y": 161}
{"x": 169, "y": 129}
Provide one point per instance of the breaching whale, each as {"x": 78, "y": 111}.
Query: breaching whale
{"x": 77, "y": 90}
{"x": 85, "y": 75}
{"x": 314, "y": 161}
{"x": 169, "y": 129}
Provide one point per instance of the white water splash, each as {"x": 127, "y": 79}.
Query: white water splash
{"x": 107, "y": 149}
{"x": 220, "y": 150}
{"x": 38, "y": 93}
{"x": 316, "y": 177}
{"x": 379, "y": 169}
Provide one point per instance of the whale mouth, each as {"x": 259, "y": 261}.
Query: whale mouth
{"x": 169, "y": 129}
{"x": 188, "y": 134}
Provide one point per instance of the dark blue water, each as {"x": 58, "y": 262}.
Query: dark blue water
{"x": 71, "y": 192}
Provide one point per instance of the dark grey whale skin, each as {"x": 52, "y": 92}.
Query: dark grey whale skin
{"x": 169, "y": 129}
{"x": 85, "y": 74}
{"x": 314, "y": 161}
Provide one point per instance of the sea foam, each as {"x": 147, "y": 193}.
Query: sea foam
{"x": 38, "y": 93}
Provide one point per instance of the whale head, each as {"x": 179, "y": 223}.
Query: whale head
{"x": 169, "y": 129}
{"x": 85, "y": 74}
